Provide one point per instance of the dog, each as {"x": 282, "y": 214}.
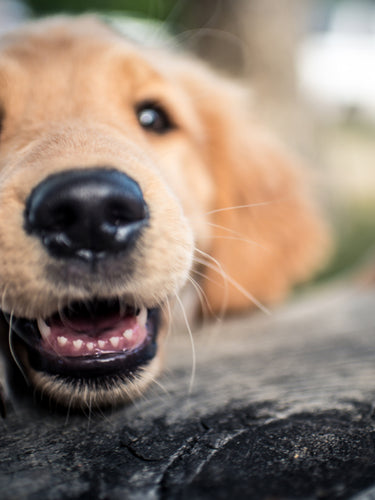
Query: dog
{"x": 125, "y": 172}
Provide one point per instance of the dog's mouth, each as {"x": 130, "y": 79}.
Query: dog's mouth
{"x": 94, "y": 338}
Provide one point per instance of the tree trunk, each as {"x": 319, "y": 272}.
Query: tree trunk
{"x": 256, "y": 40}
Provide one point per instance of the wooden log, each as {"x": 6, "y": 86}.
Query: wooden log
{"x": 281, "y": 407}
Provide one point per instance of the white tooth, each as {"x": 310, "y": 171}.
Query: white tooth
{"x": 101, "y": 343}
{"x": 114, "y": 341}
{"x": 44, "y": 329}
{"x": 77, "y": 344}
{"x": 128, "y": 334}
{"x": 62, "y": 340}
{"x": 142, "y": 316}
{"x": 90, "y": 346}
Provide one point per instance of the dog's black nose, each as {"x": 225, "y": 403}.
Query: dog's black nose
{"x": 87, "y": 213}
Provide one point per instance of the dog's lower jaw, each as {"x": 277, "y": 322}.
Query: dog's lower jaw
{"x": 86, "y": 394}
{"x": 104, "y": 378}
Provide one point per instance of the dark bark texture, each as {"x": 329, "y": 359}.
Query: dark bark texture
{"x": 282, "y": 407}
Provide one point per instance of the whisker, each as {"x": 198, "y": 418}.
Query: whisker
{"x": 103, "y": 416}
{"x": 195, "y": 271}
{"x": 69, "y": 409}
{"x": 169, "y": 318}
{"x": 206, "y": 262}
{"x": 172, "y": 15}
{"x": 193, "y": 353}
{"x": 129, "y": 392}
{"x": 219, "y": 269}
{"x": 237, "y": 238}
{"x": 223, "y": 285}
{"x": 175, "y": 13}
{"x": 89, "y": 407}
{"x": 160, "y": 385}
{"x": 237, "y": 234}
{"x": 204, "y": 299}
{"x": 231, "y": 280}
{"x": 206, "y": 259}
{"x": 3, "y": 297}
{"x": 204, "y": 275}
{"x": 237, "y": 207}
{"x": 200, "y": 293}
{"x": 60, "y": 312}
{"x": 12, "y": 351}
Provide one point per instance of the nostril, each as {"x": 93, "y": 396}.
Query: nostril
{"x": 120, "y": 212}
{"x": 87, "y": 212}
{"x": 116, "y": 218}
{"x": 60, "y": 218}
{"x": 57, "y": 216}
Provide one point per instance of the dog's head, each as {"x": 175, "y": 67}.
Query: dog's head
{"x": 116, "y": 163}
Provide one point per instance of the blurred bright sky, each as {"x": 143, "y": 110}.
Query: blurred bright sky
{"x": 336, "y": 65}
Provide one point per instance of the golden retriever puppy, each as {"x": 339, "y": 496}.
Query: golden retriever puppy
{"x": 123, "y": 169}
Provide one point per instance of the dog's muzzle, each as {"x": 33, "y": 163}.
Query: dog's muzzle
{"x": 88, "y": 221}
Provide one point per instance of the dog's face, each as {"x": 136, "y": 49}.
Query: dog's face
{"x": 115, "y": 162}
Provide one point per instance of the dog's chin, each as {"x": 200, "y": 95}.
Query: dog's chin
{"x": 91, "y": 354}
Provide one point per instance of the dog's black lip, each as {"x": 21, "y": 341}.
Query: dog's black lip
{"x": 124, "y": 363}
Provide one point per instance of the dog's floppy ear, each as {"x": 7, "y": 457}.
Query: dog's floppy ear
{"x": 266, "y": 233}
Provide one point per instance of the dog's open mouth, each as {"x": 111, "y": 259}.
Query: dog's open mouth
{"x": 90, "y": 339}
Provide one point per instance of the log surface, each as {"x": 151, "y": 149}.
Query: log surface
{"x": 281, "y": 407}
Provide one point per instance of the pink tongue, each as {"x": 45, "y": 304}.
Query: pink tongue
{"x": 86, "y": 337}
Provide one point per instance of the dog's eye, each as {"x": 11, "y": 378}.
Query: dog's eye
{"x": 154, "y": 118}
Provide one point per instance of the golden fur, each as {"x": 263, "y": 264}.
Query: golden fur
{"x": 68, "y": 90}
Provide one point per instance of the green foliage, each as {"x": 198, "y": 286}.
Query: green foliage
{"x": 155, "y": 9}
{"x": 354, "y": 228}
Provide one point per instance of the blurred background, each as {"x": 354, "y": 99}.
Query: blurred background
{"x": 311, "y": 65}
